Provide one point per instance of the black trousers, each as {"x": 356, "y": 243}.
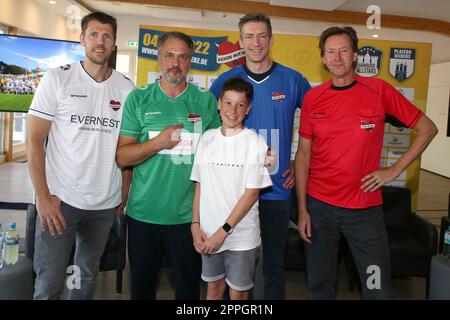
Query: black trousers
{"x": 147, "y": 244}
{"x": 274, "y": 221}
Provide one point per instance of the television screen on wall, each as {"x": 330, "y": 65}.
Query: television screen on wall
{"x": 23, "y": 62}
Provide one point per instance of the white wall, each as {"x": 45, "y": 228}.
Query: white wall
{"x": 34, "y": 19}
{"x": 437, "y": 156}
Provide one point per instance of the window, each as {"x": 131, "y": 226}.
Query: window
{"x": 19, "y": 128}
{"x": 126, "y": 63}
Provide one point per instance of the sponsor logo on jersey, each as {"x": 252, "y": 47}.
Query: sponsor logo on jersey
{"x": 367, "y": 125}
{"x": 369, "y": 61}
{"x": 401, "y": 63}
{"x": 153, "y": 113}
{"x": 194, "y": 118}
{"x": 78, "y": 96}
{"x": 94, "y": 121}
{"x": 115, "y": 105}
{"x": 65, "y": 67}
{"x": 278, "y": 96}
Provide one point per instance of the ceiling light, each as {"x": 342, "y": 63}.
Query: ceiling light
{"x": 52, "y": 2}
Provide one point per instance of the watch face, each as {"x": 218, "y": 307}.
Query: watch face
{"x": 227, "y": 227}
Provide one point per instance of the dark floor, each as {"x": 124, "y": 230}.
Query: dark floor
{"x": 432, "y": 205}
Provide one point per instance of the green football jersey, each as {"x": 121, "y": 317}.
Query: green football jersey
{"x": 161, "y": 192}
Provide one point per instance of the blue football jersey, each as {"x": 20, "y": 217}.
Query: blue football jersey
{"x": 274, "y": 103}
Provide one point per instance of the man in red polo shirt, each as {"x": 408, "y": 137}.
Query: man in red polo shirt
{"x": 337, "y": 166}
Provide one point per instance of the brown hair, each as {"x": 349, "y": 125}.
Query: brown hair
{"x": 100, "y": 17}
{"x": 239, "y": 85}
{"x": 255, "y": 17}
{"x": 332, "y": 31}
{"x": 175, "y": 35}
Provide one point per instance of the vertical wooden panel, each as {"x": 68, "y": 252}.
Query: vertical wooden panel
{"x": 9, "y": 120}
{"x": 9, "y": 123}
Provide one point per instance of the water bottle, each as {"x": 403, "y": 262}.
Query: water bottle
{"x": 11, "y": 255}
{"x": 446, "y": 251}
{"x": 2, "y": 244}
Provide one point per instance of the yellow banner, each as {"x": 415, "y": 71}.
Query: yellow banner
{"x": 404, "y": 65}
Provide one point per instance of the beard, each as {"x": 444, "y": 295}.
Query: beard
{"x": 174, "y": 79}
{"x": 91, "y": 56}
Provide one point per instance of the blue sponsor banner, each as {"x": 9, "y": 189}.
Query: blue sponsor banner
{"x": 205, "y": 49}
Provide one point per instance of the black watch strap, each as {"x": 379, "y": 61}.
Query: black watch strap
{"x": 228, "y": 229}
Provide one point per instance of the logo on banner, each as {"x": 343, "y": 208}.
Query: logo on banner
{"x": 369, "y": 61}
{"x": 401, "y": 64}
{"x": 115, "y": 105}
{"x": 230, "y": 54}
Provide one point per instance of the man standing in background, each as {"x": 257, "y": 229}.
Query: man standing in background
{"x": 278, "y": 92}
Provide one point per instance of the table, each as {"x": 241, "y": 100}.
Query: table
{"x": 439, "y": 278}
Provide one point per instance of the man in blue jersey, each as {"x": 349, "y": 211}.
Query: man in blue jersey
{"x": 278, "y": 91}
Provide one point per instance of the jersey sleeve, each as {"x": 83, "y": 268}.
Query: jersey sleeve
{"x": 216, "y": 87}
{"x": 45, "y": 100}
{"x": 258, "y": 176}
{"x": 398, "y": 106}
{"x": 305, "y": 130}
{"x": 131, "y": 125}
{"x": 198, "y": 160}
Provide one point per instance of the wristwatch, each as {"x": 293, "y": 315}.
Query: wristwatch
{"x": 228, "y": 229}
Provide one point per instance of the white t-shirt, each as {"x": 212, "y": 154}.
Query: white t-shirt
{"x": 225, "y": 167}
{"x": 86, "y": 115}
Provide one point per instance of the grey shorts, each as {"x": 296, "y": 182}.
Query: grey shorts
{"x": 237, "y": 267}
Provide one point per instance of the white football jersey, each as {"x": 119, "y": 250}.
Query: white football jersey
{"x": 86, "y": 115}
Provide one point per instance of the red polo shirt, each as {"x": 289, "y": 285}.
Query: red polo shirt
{"x": 346, "y": 128}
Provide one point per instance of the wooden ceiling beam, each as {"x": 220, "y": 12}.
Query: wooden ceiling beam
{"x": 335, "y": 16}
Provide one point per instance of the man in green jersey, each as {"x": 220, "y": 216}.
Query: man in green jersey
{"x": 160, "y": 128}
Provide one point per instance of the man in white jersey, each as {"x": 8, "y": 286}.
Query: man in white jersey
{"x": 78, "y": 108}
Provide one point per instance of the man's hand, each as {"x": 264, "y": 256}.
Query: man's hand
{"x": 304, "y": 226}
{"x": 49, "y": 211}
{"x": 375, "y": 180}
{"x": 120, "y": 209}
{"x": 170, "y": 136}
{"x": 290, "y": 174}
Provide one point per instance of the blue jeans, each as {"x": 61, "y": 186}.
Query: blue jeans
{"x": 366, "y": 235}
{"x": 89, "y": 230}
{"x": 274, "y": 221}
{"x": 147, "y": 244}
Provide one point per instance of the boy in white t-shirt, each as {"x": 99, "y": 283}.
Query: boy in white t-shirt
{"x": 229, "y": 172}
